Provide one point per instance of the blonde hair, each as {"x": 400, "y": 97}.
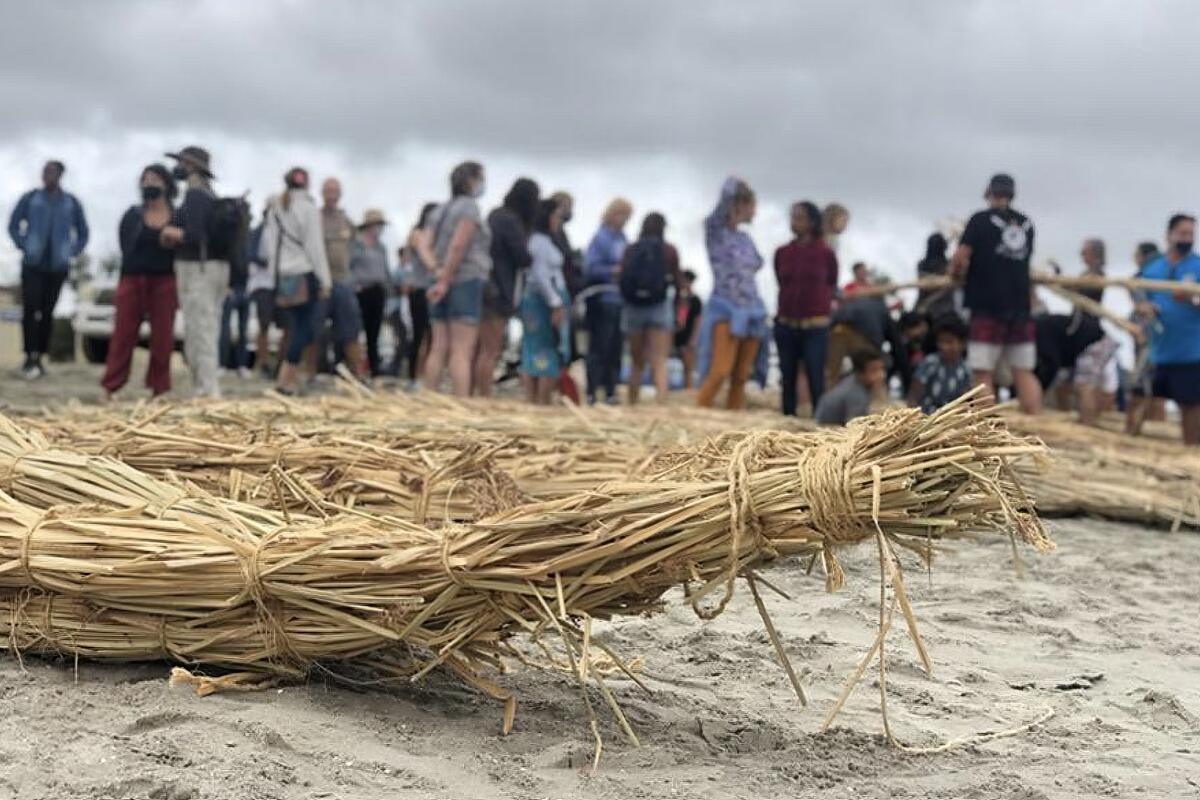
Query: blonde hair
{"x": 832, "y": 212}
{"x": 616, "y": 207}
{"x": 742, "y": 196}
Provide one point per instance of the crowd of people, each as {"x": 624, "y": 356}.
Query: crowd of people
{"x": 327, "y": 282}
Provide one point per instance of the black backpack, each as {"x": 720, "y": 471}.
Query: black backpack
{"x": 644, "y": 277}
{"x": 228, "y": 229}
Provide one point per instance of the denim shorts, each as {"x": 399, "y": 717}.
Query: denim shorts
{"x": 640, "y": 318}
{"x": 463, "y": 302}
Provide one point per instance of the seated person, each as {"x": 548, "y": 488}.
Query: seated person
{"x": 852, "y": 396}
{"x": 942, "y": 376}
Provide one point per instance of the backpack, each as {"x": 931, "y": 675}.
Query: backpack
{"x": 228, "y": 229}
{"x": 644, "y": 277}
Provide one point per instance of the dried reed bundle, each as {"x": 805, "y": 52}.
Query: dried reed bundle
{"x": 210, "y": 580}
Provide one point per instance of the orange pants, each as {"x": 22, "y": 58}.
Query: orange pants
{"x": 732, "y": 358}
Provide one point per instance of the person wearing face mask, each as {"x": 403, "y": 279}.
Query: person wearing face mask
{"x": 293, "y": 247}
{"x": 201, "y": 275}
{"x": 1175, "y": 349}
{"x": 146, "y": 289}
{"x": 459, "y": 244}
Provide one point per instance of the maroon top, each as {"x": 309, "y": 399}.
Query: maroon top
{"x": 808, "y": 274}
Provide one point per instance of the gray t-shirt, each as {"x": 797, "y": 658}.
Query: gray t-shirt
{"x": 844, "y": 402}
{"x": 477, "y": 261}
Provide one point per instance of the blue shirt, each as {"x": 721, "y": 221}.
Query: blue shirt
{"x": 603, "y": 255}
{"x": 48, "y": 228}
{"x": 1179, "y": 341}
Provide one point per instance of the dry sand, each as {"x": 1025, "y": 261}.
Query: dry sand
{"x": 1103, "y": 631}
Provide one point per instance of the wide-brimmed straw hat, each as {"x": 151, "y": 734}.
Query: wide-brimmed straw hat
{"x": 195, "y": 156}
{"x": 373, "y": 216}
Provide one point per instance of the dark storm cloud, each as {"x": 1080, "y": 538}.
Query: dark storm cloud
{"x": 887, "y": 105}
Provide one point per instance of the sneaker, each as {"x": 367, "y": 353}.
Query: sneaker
{"x": 591, "y": 399}
{"x": 244, "y": 373}
{"x": 612, "y": 400}
{"x": 32, "y": 371}
{"x": 266, "y": 373}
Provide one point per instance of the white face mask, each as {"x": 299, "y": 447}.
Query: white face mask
{"x": 479, "y": 190}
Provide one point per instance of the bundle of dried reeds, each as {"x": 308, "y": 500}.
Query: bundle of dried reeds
{"x": 203, "y": 579}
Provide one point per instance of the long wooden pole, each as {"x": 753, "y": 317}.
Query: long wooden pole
{"x": 1042, "y": 279}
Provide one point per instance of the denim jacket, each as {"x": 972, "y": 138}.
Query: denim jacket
{"x": 43, "y": 220}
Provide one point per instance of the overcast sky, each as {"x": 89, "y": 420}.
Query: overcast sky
{"x": 899, "y": 110}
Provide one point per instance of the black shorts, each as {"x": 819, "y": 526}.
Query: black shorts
{"x": 1178, "y": 382}
{"x": 264, "y": 309}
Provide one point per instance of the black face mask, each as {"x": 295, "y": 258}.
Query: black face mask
{"x": 152, "y": 192}
{"x": 1183, "y": 248}
{"x": 179, "y": 172}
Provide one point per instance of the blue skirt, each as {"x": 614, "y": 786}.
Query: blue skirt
{"x": 544, "y": 349}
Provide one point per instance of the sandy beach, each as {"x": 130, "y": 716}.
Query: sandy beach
{"x": 1099, "y": 631}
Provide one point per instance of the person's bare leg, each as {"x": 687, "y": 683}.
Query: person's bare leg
{"x": 660, "y": 348}
{"x": 545, "y": 390}
{"x": 463, "y": 338}
{"x": 310, "y": 361}
{"x": 1087, "y": 398}
{"x": 529, "y": 387}
{"x": 982, "y": 377}
{"x": 353, "y": 353}
{"x": 435, "y": 360}
{"x": 287, "y": 376}
{"x": 1062, "y": 395}
{"x": 803, "y": 395}
{"x": 1191, "y": 424}
{"x": 637, "y": 363}
{"x": 1029, "y": 391}
{"x": 1158, "y": 410}
{"x": 490, "y": 341}
{"x": 687, "y": 355}
{"x": 1134, "y": 415}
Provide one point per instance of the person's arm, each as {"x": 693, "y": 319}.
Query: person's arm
{"x": 314, "y": 247}
{"x": 460, "y": 240}
{"x": 18, "y": 223}
{"x": 673, "y": 270}
{"x": 81, "y": 227}
{"x": 421, "y": 241}
{"x": 267, "y": 239}
{"x": 833, "y": 270}
{"x": 125, "y": 229}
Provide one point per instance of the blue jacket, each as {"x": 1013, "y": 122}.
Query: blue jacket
{"x": 49, "y": 229}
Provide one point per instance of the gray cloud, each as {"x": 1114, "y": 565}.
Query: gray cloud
{"x": 901, "y": 110}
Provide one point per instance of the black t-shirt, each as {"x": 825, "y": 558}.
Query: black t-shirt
{"x": 141, "y": 253}
{"x": 1001, "y": 242}
{"x": 1060, "y": 339}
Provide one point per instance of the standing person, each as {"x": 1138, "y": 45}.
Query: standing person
{"x": 1142, "y": 404}
{"x": 293, "y": 245}
{"x": 544, "y": 306}
{"x": 993, "y": 256}
{"x": 260, "y": 286}
{"x": 341, "y": 308}
{"x": 1175, "y": 349}
{"x": 862, "y": 279}
{"x": 649, "y": 267}
{"x": 237, "y": 301}
{"x": 510, "y": 225}
{"x": 461, "y": 243}
{"x": 807, "y": 272}
{"x": 735, "y": 317}
{"x": 688, "y": 308}
{"x": 201, "y": 271}
{"x": 942, "y": 376}
{"x": 369, "y": 274}
{"x": 936, "y": 303}
{"x": 1094, "y": 375}
{"x": 851, "y": 397}
{"x": 49, "y": 228}
{"x": 603, "y": 318}
{"x": 416, "y": 280}
{"x": 146, "y": 289}
{"x": 573, "y": 273}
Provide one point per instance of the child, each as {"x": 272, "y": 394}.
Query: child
{"x": 942, "y": 376}
{"x": 852, "y": 396}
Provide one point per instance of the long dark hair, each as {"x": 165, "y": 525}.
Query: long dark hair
{"x": 541, "y": 218}
{"x": 935, "y": 249}
{"x": 654, "y": 224}
{"x": 423, "y": 217}
{"x": 169, "y": 187}
{"x": 523, "y": 200}
{"x": 816, "y": 226}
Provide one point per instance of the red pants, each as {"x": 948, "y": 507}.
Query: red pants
{"x": 140, "y": 297}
